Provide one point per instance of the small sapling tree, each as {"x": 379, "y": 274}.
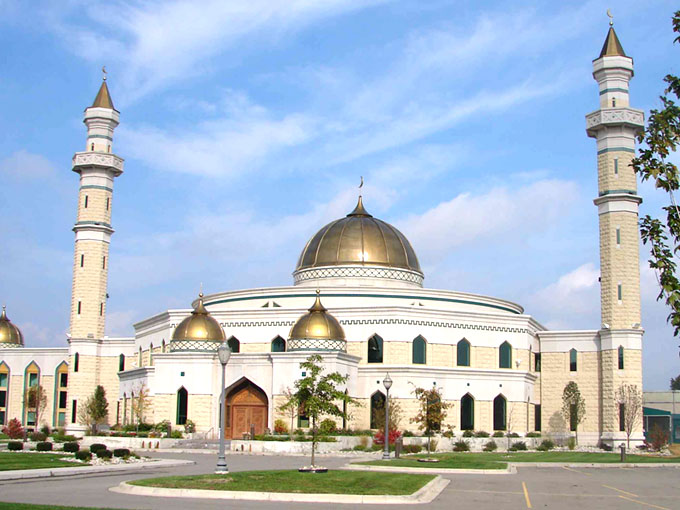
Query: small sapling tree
{"x": 630, "y": 397}
{"x": 36, "y": 401}
{"x": 432, "y": 411}
{"x": 573, "y": 406}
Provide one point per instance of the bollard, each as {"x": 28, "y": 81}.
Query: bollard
{"x": 398, "y": 445}
{"x": 252, "y": 431}
{"x": 623, "y": 452}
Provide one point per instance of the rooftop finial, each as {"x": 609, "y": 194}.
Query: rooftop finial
{"x": 611, "y": 17}
{"x": 362, "y": 182}
{"x": 103, "y": 73}
{"x": 200, "y": 292}
{"x": 4, "y": 311}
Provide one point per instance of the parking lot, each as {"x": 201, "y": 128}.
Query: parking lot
{"x": 531, "y": 487}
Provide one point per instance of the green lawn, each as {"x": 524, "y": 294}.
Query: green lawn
{"x": 26, "y": 506}
{"x": 333, "y": 482}
{"x": 499, "y": 460}
{"x": 19, "y": 460}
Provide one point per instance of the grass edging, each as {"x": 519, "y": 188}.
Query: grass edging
{"x": 425, "y": 494}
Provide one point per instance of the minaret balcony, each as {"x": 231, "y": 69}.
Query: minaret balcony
{"x": 614, "y": 117}
{"x": 98, "y": 159}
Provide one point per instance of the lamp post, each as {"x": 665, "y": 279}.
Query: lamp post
{"x": 223, "y": 353}
{"x": 387, "y": 382}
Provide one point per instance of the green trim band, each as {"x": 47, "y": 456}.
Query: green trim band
{"x": 615, "y": 89}
{"x": 311, "y": 296}
{"x": 93, "y": 223}
{"x": 616, "y": 149}
{"x": 616, "y": 191}
{"x": 101, "y": 136}
{"x": 94, "y": 186}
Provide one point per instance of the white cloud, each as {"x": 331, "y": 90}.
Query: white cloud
{"x": 500, "y": 211}
{"x": 26, "y": 165}
{"x": 119, "y": 322}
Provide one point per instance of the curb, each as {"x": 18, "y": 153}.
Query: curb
{"x": 26, "y": 474}
{"x": 424, "y": 495}
{"x": 575, "y": 465}
{"x": 510, "y": 470}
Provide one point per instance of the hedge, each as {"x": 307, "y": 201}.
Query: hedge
{"x": 121, "y": 452}
{"x": 104, "y": 454}
{"x": 15, "y": 446}
{"x": 84, "y": 455}
{"x": 71, "y": 447}
{"x": 96, "y": 447}
{"x": 44, "y": 446}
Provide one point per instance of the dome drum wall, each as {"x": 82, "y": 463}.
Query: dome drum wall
{"x": 317, "y": 330}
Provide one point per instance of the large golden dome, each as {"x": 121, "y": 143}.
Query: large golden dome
{"x": 10, "y": 335}
{"x": 359, "y": 239}
{"x": 199, "y": 326}
{"x": 317, "y": 330}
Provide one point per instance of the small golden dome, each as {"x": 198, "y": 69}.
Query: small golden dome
{"x": 199, "y": 326}
{"x": 359, "y": 239}
{"x": 10, "y": 335}
{"x": 318, "y": 324}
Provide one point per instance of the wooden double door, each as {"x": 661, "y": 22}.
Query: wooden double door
{"x": 247, "y": 406}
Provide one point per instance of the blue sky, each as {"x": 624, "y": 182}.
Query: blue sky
{"x": 245, "y": 127}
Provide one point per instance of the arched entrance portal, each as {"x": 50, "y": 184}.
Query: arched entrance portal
{"x": 247, "y": 405}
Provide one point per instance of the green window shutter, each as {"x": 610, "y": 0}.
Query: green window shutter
{"x": 573, "y": 364}
{"x": 505, "y": 355}
{"x": 375, "y": 349}
{"x": 463, "y": 353}
{"x": 419, "y": 356}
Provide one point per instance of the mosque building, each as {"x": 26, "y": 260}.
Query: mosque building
{"x": 357, "y": 299}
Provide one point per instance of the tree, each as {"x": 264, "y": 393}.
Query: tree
{"x": 290, "y": 407}
{"x": 318, "y": 394}
{"x": 36, "y": 400}
{"x": 14, "y": 429}
{"x": 573, "y": 406}
{"x": 140, "y": 403}
{"x": 630, "y": 397}
{"x": 431, "y": 412}
{"x": 95, "y": 411}
{"x": 675, "y": 383}
{"x": 394, "y": 412}
{"x": 661, "y": 138}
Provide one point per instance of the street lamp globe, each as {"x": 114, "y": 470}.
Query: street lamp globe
{"x": 387, "y": 382}
{"x": 224, "y": 353}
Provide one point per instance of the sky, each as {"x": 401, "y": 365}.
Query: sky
{"x": 246, "y": 125}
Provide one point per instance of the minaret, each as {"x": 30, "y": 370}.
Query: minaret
{"x": 97, "y": 167}
{"x": 615, "y": 126}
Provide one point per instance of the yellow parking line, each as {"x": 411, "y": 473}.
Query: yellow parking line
{"x": 619, "y": 490}
{"x": 645, "y": 504}
{"x": 575, "y": 471}
{"x": 526, "y": 495}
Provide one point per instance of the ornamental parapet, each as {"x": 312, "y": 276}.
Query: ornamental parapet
{"x": 384, "y": 273}
{"x": 614, "y": 117}
{"x": 98, "y": 159}
{"x": 316, "y": 344}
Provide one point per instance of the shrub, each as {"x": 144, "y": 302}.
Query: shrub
{"x": 62, "y": 438}
{"x": 518, "y": 446}
{"x": 44, "y": 446}
{"x": 433, "y": 445}
{"x": 84, "y": 455}
{"x": 546, "y": 445}
{"x": 14, "y": 429}
{"x": 104, "y": 454}
{"x": 15, "y": 446}
{"x": 379, "y": 437}
{"x": 176, "y": 434}
{"x": 162, "y": 426}
{"x": 490, "y": 446}
{"x": 327, "y": 426}
{"x": 120, "y": 452}
{"x": 512, "y": 434}
{"x": 359, "y": 448}
{"x": 45, "y": 429}
{"x": 658, "y": 438}
{"x": 571, "y": 443}
{"x": 481, "y": 433}
{"x": 461, "y": 446}
{"x": 604, "y": 446}
{"x": 468, "y": 433}
{"x": 363, "y": 441}
{"x": 407, "y": 433}
{"x": 37, "y": 436}
{"x": 533, "y": 434}
{"x": 71, "y": 447}
{"x": 498, "y": 433}
{"x": 280, "y": 427}
{"x": 412, "y": 448}
{"x": 448, "y": 433}
{"x": 189, "y": 427}
{"x": 95, "y": 447}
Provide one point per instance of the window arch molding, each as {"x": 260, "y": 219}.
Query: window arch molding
{"x": 419, "y": 351}
{"x": 278, "y": 344}
{"x": 505, "y": 355}
{"x": 182, "y": 406}
{"x": 467, "y": 412}
{"x": 60, "y": 394}
{"x": 463, "y": 353}
{"x": 375, "y": 346}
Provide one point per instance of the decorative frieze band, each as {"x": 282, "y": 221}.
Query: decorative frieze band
{"x": 358, "y": 272}
{"x": 315, "y": 344}
{"x": 615, "y": 116}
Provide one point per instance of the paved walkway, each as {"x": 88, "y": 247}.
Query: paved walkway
{"x": 532, "y": 487}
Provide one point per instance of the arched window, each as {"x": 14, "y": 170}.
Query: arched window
{"x": 278, "y": 345}
{"x": 151, "y": 354}
{"x": 572, "y": 360}
{"x": 139, "y": 357}
{"x": 163, "y": 345}
{"x": 4, "y": 392}
{"x": 60, "y": 395}
{"x": 76, "y": 362}
{"x": 505, "y": 355}
{"x": 375, "y": 349}
{"x": 463, "y": 353}
{"x": 32, "y": 394}
{"x": 467, "y": 412}
{"x": 121, "y": 362}
{"x": 499, "y": 413}
{"x": 621, "y": 358}
{"x": 419, "y": 348}
{"x": 377, "y": 409}
{"x": 234, "y": 344}
{"x": 182, "y": 406}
